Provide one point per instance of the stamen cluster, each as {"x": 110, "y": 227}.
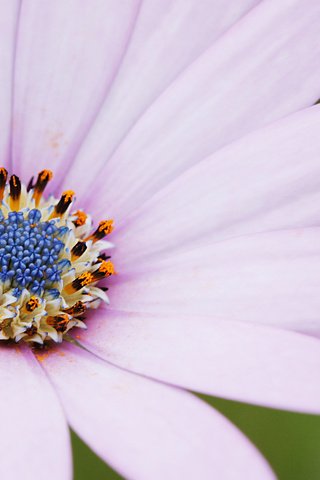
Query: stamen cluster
{"x": 50, "y": 262}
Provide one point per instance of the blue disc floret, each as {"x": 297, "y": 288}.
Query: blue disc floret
{"x": 30, "y": 251}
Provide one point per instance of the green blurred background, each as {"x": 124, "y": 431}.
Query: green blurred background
{"x": 290, "y": 441}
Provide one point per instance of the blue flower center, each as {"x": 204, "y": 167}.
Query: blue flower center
{"x": 31, "y": 253}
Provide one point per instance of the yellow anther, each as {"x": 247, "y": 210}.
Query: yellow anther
{"x": 63, "y": 204}
{"x": 43, "y": 178}
{"x": 105, "y": 228}
{"x": 68, "y": 195}
{"x": 107, "y": 268}
{"x": 77, "y": 309}
{"x": 59, "y": 322}
{"x": 78, "y": 249}
{"x": 15, "y": 192}
{"x": 84, "y": 279}
{"x": 32, "y": 304}
{"x": 3, "y": 181}
{"x": 81, "y": 218}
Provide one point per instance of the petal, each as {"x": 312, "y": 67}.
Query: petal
{"x": 145, "y": 429}
{"x": 267, "y": 180}
{"x": 264, "y": 68}
{"x": 34, "y": 435}
{"x": 266, "y": 278}
{"x": 9, "y": 14}
{"x": 67, "y": 56}
{"x": 233, "y": 360}
{"x": 168, "y": 37}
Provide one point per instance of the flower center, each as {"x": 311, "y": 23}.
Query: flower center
{"x": 50, "y": 262}
{"x": 30, "y": 252}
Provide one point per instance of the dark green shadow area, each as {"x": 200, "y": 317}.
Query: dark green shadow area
{"x": 290, "y": 442}
{"x": 87, "y": 465}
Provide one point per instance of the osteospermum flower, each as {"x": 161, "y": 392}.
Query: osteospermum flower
{"x": 179, "y": 119}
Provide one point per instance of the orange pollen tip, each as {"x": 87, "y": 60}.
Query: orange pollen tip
{"x": 78, "y": 250}
{"x": 77, "y": 309}
{"x": 81, "y": 218}
{"x": 63, "y": 204}
{"x": 84, "y": 279}
{"x": 59, "y": 322}
{"x": 3, "y": 181}
{"x": 45, "y": 176}
{"x": 15, "y": 191}
{"x": 3, "y": 174}
{"x": 68, "y": 195}
{"x": 107, "y": 268}
{"x": 105, "y": 227}
{"x": 32, "y": 304}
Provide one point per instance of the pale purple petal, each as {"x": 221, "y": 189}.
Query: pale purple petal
{"x": 9, "y": 14}
{"x": 68, "y": 53}
{"x": 234, "y": 360}
{"x": 34, "y": 437}
{"x": 147, "y": 430}
{"x": 265, "y": 67}
{"x": 267, "y": 180}
{"x": 168, "y": 36}
{"x": 268, "y": 278}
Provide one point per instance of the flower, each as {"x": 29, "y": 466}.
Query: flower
{"x": 190, "y": 127}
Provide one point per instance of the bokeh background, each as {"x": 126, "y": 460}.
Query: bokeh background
{"x": 290, "y": 441}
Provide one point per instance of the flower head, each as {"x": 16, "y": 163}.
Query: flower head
{"x": 50, "y": 262}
